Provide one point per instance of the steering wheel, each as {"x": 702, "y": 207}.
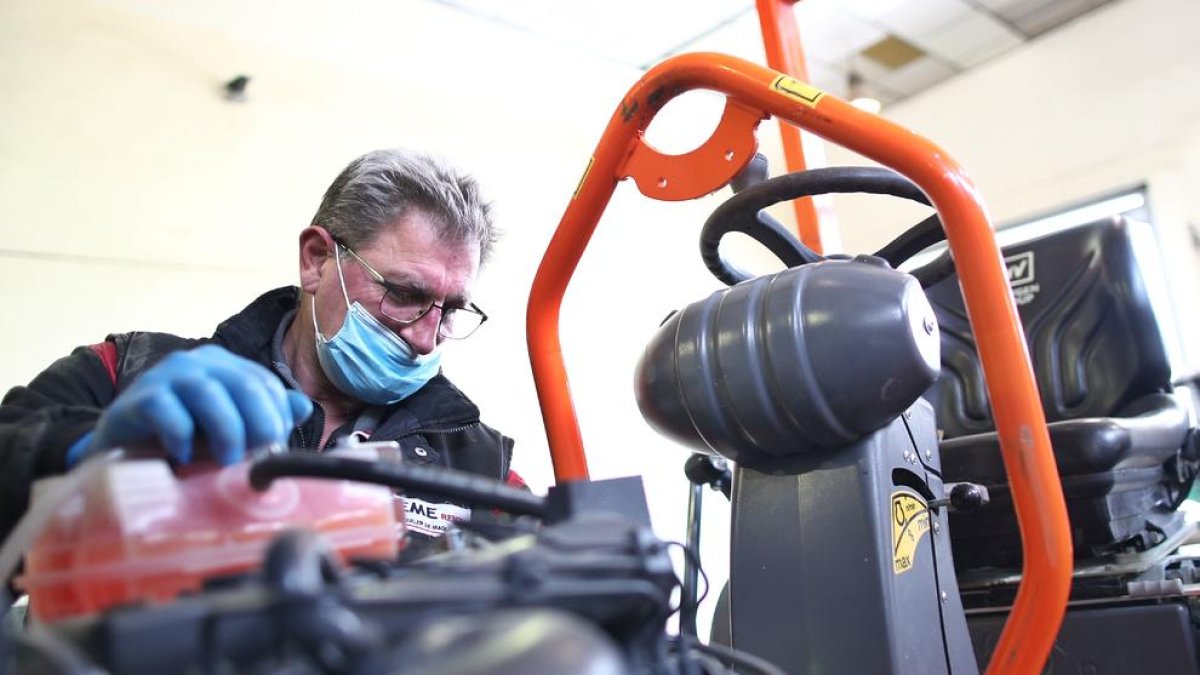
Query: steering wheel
{"x": 744, "y": 212}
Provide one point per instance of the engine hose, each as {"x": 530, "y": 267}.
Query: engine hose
{"x": 449, "y": 483}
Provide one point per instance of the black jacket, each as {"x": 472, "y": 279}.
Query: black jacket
{"x": 438, "y": 425}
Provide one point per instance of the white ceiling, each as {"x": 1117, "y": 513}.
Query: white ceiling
{"x": 950, "y": 35}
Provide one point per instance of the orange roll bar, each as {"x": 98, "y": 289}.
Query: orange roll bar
{"x": 753, "y": 92}
{"x": 781, "y": 38}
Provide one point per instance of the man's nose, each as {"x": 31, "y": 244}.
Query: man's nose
{"x": 423, "y": 335}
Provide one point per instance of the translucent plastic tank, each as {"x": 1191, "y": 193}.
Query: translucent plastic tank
{"x": 137, "y": 532}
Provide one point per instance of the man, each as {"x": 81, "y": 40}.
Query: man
{"x": 386, "y": 272}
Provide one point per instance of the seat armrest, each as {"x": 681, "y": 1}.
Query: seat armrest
{"x": 1149, "y": 433}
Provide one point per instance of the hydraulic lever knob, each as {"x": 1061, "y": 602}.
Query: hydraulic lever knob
{"x": 963, "y": 497}
{"x": 702, "y": 469}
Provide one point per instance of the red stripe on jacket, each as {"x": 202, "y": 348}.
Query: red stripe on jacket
{"x": 107, "y": 352}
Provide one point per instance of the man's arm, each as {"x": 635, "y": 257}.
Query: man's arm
{"x": 39, "y": 422}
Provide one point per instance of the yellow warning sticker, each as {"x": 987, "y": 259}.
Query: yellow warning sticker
{"x": 591, "y": 161}
{"x": 910, "y": 522}
{"x": 803, "y": 92}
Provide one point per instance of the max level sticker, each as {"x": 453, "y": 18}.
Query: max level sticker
{"x": 805, "y": 93}
{"x": 910, "y": 522}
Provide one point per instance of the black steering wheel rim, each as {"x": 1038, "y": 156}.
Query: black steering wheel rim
{"x": 744, "y": 212}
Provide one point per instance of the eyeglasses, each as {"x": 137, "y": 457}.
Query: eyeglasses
{"x": 402, "y": 306}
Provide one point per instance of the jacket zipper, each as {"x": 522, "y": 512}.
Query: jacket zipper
{"x": 447, "y": 430}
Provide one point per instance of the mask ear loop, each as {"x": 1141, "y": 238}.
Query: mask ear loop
{"x": 337, "y": 261}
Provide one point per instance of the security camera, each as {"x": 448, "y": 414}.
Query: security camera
{"x": 235, "y": 89}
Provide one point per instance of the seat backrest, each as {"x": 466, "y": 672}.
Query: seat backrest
{"x": 1093, "y": 336}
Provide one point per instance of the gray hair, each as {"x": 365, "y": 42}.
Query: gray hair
{"x": 382, "y": 186}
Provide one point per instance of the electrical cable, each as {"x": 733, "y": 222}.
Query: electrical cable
{"x": 732, "y": 657}
{"x": 694, "y": 558}
{"x": 446, "y": 482}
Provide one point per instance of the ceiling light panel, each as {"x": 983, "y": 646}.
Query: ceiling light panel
{"x": 893, "y": 52}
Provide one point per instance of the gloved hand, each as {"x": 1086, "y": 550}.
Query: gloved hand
{"x": 236, "y": 403}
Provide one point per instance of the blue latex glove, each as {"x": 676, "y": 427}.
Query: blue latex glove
{"x": 236, "y": 403}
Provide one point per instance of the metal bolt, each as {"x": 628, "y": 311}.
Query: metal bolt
{"x": 945, "y": 598}
{"x": 936, "y": 527}
{"x": 928, "y": 453}
{"x": 929, "y": 324}
{"x": 421, "y": 452}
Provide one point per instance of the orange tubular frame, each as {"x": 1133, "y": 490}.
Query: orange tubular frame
{"x": 781, "y": 38}
{"x": 753, "y": 93}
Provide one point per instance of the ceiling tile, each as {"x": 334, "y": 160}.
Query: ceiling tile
{"x": 869, "y": 9}
{"x": 958, "y": 41}
{"x": 1010, "y": 8}
{"x": 741, "y": 38}
{"x": 893, "y": 52}
{"x": 1052, "y": 15}
{"x": 917, "y": 76}
{"x": 659, "y": 27}
{"x": 921, "y": 17}
{"x": 832, "y": 35}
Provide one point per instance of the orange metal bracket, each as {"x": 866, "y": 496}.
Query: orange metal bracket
{"x": 784, "y": 53}
{"x": 1025, "y": 442}
{"x": 706, "y": 169}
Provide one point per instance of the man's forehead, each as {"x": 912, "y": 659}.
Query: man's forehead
{"x": 416, "y": 230}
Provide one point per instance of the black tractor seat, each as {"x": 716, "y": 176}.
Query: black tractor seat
{"x": 1120, "y": 436}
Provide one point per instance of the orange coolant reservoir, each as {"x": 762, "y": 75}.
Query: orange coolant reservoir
{"x": 136, "y": 532}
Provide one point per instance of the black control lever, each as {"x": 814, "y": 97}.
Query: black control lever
{"x": 963, "y": 497}
{"x": 709, "y": 470}
{"x": 701, "y": 470}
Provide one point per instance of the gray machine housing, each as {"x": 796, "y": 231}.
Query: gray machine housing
{"x": 810, "y": 380}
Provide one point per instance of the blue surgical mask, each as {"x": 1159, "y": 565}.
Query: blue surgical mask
{"x": 367, "y": 360}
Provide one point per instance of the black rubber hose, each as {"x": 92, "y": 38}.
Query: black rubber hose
{"x": 914, "y": 240}
{"x": 940, "y": 268}
{"x": 449, "y": 483}
{"x": 299, "y": 564}
{"x": 743, "y": 212}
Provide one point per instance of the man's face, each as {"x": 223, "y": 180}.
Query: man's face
{"x": 409, "y": 255}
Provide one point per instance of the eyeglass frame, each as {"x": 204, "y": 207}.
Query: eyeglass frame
{"x": 389, "y": 287}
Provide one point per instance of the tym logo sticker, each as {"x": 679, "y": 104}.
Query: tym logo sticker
{"x": 1021, "y": 277}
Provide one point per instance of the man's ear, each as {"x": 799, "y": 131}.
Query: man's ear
{"x": 316, "y": 246}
